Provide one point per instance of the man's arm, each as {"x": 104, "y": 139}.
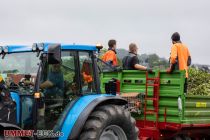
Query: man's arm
{"x": 140, "y": 67}
{"x": 173, "y": 55}
{"x": 189, "y": 61}
{"x": 136, "y": 65}
{"x": 173, "y": 59}
{"x": 189, "y": 58}
{"x": 46, "y": 84}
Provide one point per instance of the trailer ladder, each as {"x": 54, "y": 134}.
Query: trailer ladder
{"x": 151, "y": 130}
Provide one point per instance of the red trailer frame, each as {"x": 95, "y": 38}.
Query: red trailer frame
{"x": 170, "y": 130}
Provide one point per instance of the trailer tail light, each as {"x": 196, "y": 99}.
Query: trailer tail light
{"x": 118, "y": 87}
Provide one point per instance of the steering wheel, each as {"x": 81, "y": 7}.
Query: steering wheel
{"x": 25, "y": 86}
{"x": 13, "y": 86}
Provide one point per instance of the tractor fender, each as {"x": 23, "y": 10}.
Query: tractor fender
{"x": 9, "y": 125}
{"x": 79, "y": 111}
{"x": 85, "y": 114}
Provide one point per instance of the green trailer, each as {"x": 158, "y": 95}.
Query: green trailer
{"x": 160, "y": 106}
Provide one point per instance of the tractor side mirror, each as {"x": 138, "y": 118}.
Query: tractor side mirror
{"x": 54, "y": 54}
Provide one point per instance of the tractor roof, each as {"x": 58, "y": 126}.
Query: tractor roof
{"x": 24, "y": 48}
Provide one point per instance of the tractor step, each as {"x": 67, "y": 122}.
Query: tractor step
{"x": 150, "y": 112}
{"x": 153, "y": 85}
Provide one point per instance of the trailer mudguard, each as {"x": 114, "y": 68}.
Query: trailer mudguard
{"x": 80, "y": 111}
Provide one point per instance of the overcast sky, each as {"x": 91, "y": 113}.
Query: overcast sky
{"x": 149, "y": 23}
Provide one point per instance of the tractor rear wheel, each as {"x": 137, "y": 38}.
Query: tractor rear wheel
{"x": 110, "y": 122}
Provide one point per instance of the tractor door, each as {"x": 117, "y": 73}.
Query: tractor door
{"x": 61, "y": 83}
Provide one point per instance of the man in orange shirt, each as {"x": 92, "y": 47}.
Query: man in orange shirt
{"x": 180, "y": 57}
{"x": 110, "y": 56}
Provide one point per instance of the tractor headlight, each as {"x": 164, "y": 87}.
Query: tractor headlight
{"x": 1, "y": 49}
{"x": 40, "y": 46}
{"x": 99, "y": 46}
{"x": 34, "y": 47}
{"x": 6, "y": 49}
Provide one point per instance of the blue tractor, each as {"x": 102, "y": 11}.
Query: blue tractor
{"x": 55, "y": 90}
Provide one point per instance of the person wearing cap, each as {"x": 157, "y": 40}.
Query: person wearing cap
{"x": 131, "y": 61}
{"x": 111, "y": 56}
{"x": 180, "y": 57}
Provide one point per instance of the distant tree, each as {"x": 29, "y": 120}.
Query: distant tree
{"x": 153, "y": 60}
{"x": 11, "y": 71}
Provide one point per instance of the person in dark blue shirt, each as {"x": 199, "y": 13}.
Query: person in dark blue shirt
{"x": 54, "y": 83}
{"x": 53, "y": 93}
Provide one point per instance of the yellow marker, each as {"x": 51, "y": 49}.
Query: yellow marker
{"x": 201, "y": 104}
{"x": 1, "y": 78}
{"x": 37, "y": 95}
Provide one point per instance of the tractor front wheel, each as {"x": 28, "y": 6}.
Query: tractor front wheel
{"x": 109, "y": 122}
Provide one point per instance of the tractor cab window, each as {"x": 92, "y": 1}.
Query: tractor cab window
{"x": 86, "y": 70}
{"x": 59, "y": 87}
{"x": 19, "y": 70}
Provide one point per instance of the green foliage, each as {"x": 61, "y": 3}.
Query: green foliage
{"x": 153, "y": 60}
{"x": 68, "y": 69}
{"x": 69, "y": 76}
{"x": 11, "y": 71}
{"x": 198, "y": 82}
{"x": 156, "y": 62}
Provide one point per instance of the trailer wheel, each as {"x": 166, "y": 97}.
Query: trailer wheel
{"x": 109, "y": 122}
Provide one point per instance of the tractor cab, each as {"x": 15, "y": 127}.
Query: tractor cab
{"x": 17, "y": 68}
{"x": 65, "y": 74}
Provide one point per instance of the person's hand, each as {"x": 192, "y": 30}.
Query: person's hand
{"x": 26, "y": 82}
{"x": 46, "y": 84}
{"x": 168, "y": 70}
{"x": 149, "y": 70}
